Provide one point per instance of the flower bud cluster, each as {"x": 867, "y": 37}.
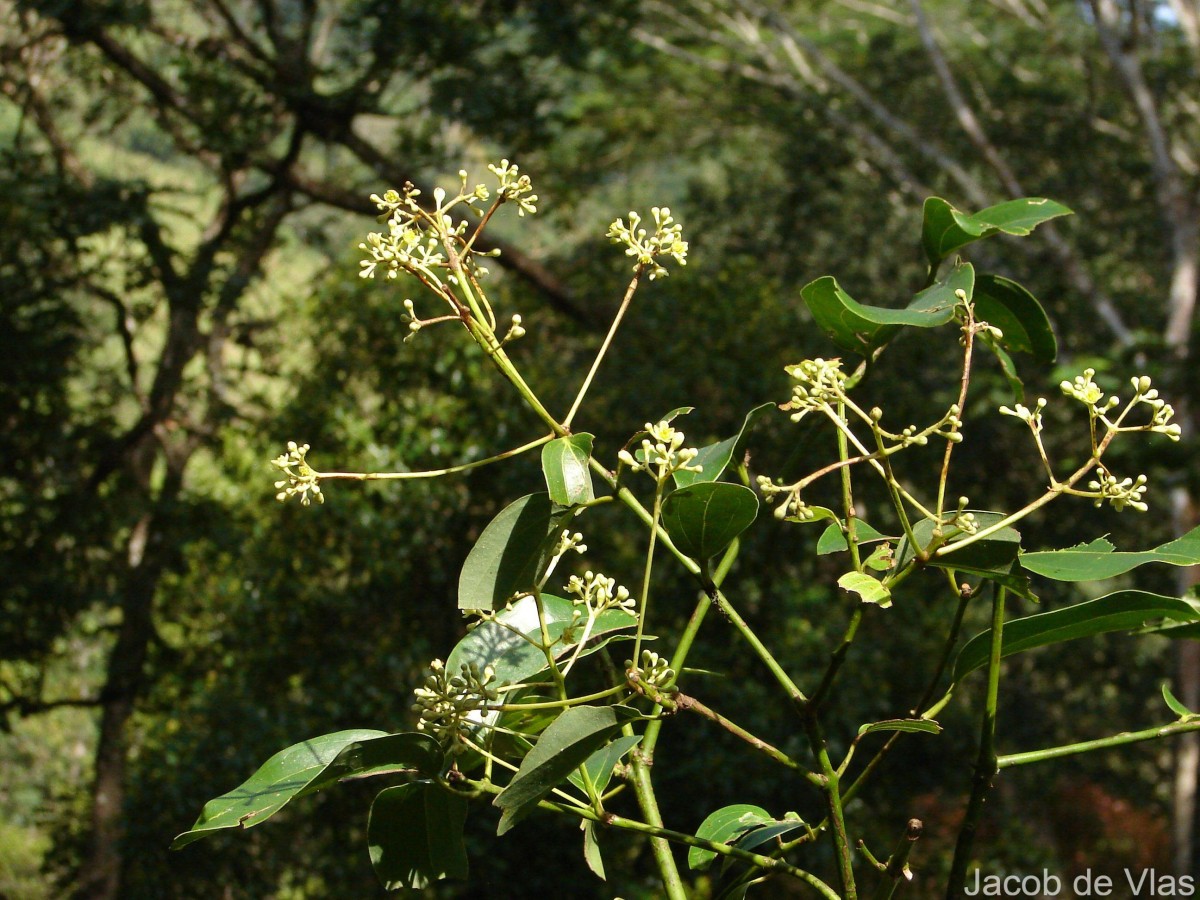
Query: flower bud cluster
{"x": 792, "y": 507}
{"x": 646, "y": 248}
{"x": 598, "y": 593}
{"x": 820, "y": 383}
{"x": 515, "y": 186}
{"x": 654, "y": 670}
{"x": 662, "y": 450}
{"x": 1120, "y": 492}
{"x": 1031, "y": 417}
{"x": 301, "y": 478}
{"x": 446, "y": 703}
{"x": 1161, "y": 412}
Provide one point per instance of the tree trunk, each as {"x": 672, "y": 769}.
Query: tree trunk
{"x": 100, "y": 872}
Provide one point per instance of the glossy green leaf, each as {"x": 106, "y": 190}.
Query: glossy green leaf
{"x": 994, "y": 554}
{"x": 290, "y": 773}
{"x": 1121, "y": 611}
{"x": 511, "y": 553}
{"x": 832, "y": 540}
{"x": 591, "y": 849}
{"x": 1098, "y": 559}
{"x": 703, "y": 519}
{"x": 859, "y": 328}
{"x": 912, "y": 726}
{"x": 569, "y": 741}
{"x": 944, "y": 229}
{"x": 504, "y": 644}
{"x": 600, "y": 764}
{"x": 1173, "y": 702}
{"x": 722, "y": 827}
{"x": 715, "y": 458}
{"x": 868, "y": 588}
{"x": 1011, "y": 308}
{"x": 565, "y": 466}
{"x": 415, "y": 836}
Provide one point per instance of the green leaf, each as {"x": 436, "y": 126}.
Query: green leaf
{"x": 858, "y": 328}
{"x": 944, "y": 229}
{"x": 290, "y": 773}
{"x": 1098, "y": 560}
{"x": 1173, "y": 702}
{"x": 714, "y": 458}
{"x": 600, "y": 764}
{"x": 723, "y": 826}
{"x": 914, "y": 726}
{"x": 511, "y": 553}
{"x": 415, "y": 836}
{"x": 1011, "y": 308}
{"x": 869, "y": 589}
{"x": 992, "y": 558}
{"x": 591, "y": 849}
{"x": 504, "y": 644}
{"x": 832, "y": 540}
{"x": 563, "y": 747}
{"x": 776, "y": 828}
{"x": 565, "y": 465}
{"x": 703, "y": 519}
{"x": 1121, "y": 611}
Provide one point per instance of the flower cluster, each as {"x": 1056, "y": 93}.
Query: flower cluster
{"x": 792, "y": 507}
{"x": 598, "y": 593}
{"x": 449, "y": 705}
{"x": 301, "y": 478}
{"x": 667, "y": 240}
{"x": 662, "y": 450}
{"x": 1031, "y": 417}
{"x": 1120, "y": 492}
{"x": 820, "y": 383}
{"x": 515, "y": 186}
{"x": 654, "y": 670}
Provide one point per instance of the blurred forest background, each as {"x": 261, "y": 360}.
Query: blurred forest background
{"x": 182, "y": 187}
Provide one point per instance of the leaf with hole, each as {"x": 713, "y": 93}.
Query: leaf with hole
{"x": 703, "y": 519}
{"x": 869, "y": 589}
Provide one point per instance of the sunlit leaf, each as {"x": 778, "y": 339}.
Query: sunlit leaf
{"x": 511, "y": 553}
{"x": 1121, "y": 611}
{"x": 722, "y": 827}
{"x": 703, "y": 519}
{"x": 714, "y": 458}
{"x": 565, "y": 466}
{"x": 1098, "y": 559}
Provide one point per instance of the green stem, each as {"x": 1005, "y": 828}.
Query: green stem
{"x": 985, "y": 766}
{"x": 612, "y": 330}
{"x": 659, "y": 844}
{"x": 434, "y": 473}
{"x": 799, "y": 700}
{"x": 832, "y": 790}
{"x": 1125, "y": 737}
{"x": 560, "y": 704}
{"x": 685, "y": 702}
{"x": 644, "y": 600}
{"x": 688, "y": 637}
